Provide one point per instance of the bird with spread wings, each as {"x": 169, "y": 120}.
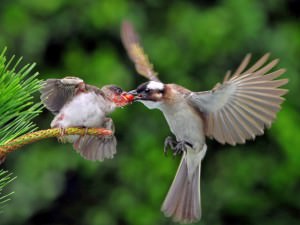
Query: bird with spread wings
{"x": 236, "y": 110}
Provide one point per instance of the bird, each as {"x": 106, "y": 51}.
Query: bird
{"x": 235, "y": 110}
{"x": 77, "y": 104}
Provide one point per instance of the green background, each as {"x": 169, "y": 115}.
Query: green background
{"x": 192, "y": 43}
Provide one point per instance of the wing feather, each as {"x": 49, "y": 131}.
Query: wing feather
{"x": 130, "y": 40}
{"x": 258, "y": 64}
{"x": 242, "y": 122}
{"x": 56, "y": 92}
{"x": 243, "y": 64}
{"x": 234, "y": 127}
{"x": 244, "y": 104}
{"x": 226, "y": 129}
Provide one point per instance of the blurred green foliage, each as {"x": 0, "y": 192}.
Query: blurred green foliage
{"x": 192, "y": 43}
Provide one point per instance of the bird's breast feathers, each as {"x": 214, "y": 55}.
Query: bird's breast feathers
{"x": 86, "y": 109}
{"x": 185, "y": 123}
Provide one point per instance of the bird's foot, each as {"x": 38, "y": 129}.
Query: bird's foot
{"x": 176, "y": 146}
{"x": 62, "y": 132}
{"x": 86, "y": 131}
{"x": 180, "y": 148}
{"x": 169, "y": 142}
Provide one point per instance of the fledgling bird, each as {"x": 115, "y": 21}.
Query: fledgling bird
{"x": 77, "y": 104}
{"x": 232, "y": 112}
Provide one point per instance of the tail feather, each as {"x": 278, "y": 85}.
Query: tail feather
{"x": 68, "y": 138}
{"x": 182, "y": 202}
{"x": 96, "y": 148}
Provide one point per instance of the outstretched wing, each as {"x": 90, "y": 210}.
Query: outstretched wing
{"x": 244, "y": 104}
{"x": 56, "y": 92}
{"x": 136, "y": 53}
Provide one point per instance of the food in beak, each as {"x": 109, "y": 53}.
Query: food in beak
{"x": 123, "y": 99}
{"x": 128, "y": 97}
{"x": 135, "y": 95}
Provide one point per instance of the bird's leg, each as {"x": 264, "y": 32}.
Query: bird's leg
{"x": 85, "y": 131}
{"x": 169, "y": 142}
{"x": 84, "y": 135}
{"x": 177, "y": 146}
{"x": 181, "y": 146}
{"x": 108, "y": 124}
{"x": 62, "y": 132}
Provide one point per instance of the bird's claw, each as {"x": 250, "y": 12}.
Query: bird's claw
{"x": 169, "y": 142}
{"x": 62, "y": 132}
{"x": 86, "y": 131}
{"x": 176, "y": 146}
{"x": 179, "y": 148}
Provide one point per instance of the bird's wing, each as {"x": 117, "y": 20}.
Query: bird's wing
{"x": 57, "y": 92}
{"x": 244, "y": 104}
{"x": 136, "y": 53}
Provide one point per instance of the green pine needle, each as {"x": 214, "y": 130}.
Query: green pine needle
{"x": 5, "y": 179}
{"x": 17, "y": 108}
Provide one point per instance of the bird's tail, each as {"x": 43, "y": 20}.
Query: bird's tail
{"x": 183, "y": 201}
{"x": 97, "y": 148}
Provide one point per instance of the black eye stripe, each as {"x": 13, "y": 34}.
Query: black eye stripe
{"x": 142, "y": 88}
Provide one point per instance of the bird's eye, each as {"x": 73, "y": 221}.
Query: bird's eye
{"x": 147, "y": 90}
{"x": 117, "y": 90}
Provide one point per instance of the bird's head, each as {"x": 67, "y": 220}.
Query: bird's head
{"x": 151, "y": 94}
{"x": 117, "y": 95}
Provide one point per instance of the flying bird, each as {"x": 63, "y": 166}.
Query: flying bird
{"x": 236, "y": 110}
{"x": 77, "y": 104}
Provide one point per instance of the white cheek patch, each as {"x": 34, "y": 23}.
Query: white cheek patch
{"x": 153, "y": 85}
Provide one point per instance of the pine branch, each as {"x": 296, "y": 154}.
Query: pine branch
{"x": 17, "y": 85}
{"x": 42, "y": 134}
{"x": 17, "y": 108}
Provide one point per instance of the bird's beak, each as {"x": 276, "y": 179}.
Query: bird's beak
{"x": 135, "y": 94}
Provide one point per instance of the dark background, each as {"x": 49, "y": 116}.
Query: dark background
{"x": 192, "y": 43}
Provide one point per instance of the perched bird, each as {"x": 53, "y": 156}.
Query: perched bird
{"x": 77, "y": 104}
{"x": 232, "y": 112}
